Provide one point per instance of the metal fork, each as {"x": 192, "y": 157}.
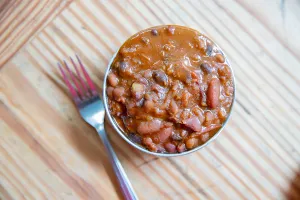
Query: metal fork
{"x": 92, "y": 111}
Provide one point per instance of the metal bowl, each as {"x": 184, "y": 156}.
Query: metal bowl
{"x": 141, "y": 148}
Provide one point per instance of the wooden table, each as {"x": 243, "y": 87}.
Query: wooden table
{"x": 48, "y": 152}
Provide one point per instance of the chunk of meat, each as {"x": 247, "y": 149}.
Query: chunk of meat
{"x": 149, "y": 127}
{"x": 164, "y": 134}
{"x": 193, "y": 123}
{"x": 213, "y": 93}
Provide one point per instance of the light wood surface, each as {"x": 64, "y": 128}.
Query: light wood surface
{"x": 48, "y": 152}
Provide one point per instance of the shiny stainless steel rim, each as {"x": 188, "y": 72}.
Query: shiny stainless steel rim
{"x": 123, "y": 134}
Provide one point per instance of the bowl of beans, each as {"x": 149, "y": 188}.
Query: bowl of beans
{"x": 169, "y": 90}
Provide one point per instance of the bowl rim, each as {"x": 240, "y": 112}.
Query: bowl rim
{"x": 123, "y": 134}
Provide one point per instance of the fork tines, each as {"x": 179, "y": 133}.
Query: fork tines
{"x": 83, "y": 90}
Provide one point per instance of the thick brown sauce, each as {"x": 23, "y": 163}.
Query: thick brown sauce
{"x": 170, "y": 89}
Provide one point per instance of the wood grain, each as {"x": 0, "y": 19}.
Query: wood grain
{"x": 48, "y": 152}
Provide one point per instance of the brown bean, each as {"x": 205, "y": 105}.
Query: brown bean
{"x": 154, "y": 32}
{"x": 124, "y": 69}
{"x": 149, "y": 127}
{"x": 159, "y": 112}
{"x": 118, "y": 92}
{"x": 176, "y": 136}
{"x": 193, "y": 123}
{"x": 209, "y": 49}
{"x": 183, "y": 74}
{"x": 164, "y": 134}
{"x": 209, "y": 116}
{"x": 229, "y": 91}
{"x": 224, "y": 71}
{"x": 206, "y": 68}
{"x": 171, "y": 148}
{"x": 171, "y": 30}
{"x": 204, "y": 137}
{"x": 183, "y": 133}
{"x": 160, "y": 77}
{"x": 181, "y": 147}
{"x": 213, "y": 93}
{"x": 137, "y": 90}
{"x": 173, "y": 108}
{"x": 148, "y": 105}
{"x": 222, "y": 113}
{"x": 147, "y": 141}
{"x": 220, "y": 58}
{"x": 199, "y": 113}
{"x": 109, "y": 92}
{"x": 185, "y": 98}
{"x": 191, "y": 143}
{"x": 145, "y": 40}
{"x": 112, "y": 79}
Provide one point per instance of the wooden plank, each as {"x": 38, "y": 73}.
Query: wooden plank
{"x": 48, "y": 152}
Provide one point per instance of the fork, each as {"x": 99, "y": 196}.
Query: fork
{"x": 92, "y": 110}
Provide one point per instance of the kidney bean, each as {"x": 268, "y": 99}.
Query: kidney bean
{"x": 206, "y": 68}
{"x": 191, "y": 143}
{"x": 213, "y": 93}
{"x": 160, "y": 77}
{"x": 181, "y": 147}
{"x": 164, "y": 134}
{"x": 137, "y": 90}
{"x": 149, "y": 127}
{"x": 171, "y": 148}
{"x": 193, "y": 123}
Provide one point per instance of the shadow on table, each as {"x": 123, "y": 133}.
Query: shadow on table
{"x": 293, "y": 192}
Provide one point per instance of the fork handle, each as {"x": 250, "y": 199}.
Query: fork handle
{"x": 123, "y": 180}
